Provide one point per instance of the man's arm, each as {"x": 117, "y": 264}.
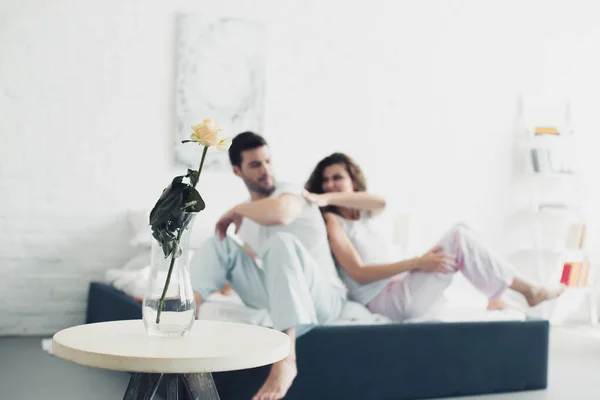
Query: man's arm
{"x": 270, "y": 211}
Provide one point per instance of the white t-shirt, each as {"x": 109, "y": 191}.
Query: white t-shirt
{"x": 373, "y": 248}
{"x": 308, "y": 227}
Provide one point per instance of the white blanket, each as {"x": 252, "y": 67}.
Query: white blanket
{"x": 231, "y": 308}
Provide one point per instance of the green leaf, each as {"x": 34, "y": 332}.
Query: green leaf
{"x": 184, "y": 220}
{"x": 192, "y": 201}
{"x": 169, "y": 201}
{"x": 165, "y": 237}
{"x": 173, "y": 212}
{"x": 193, "y": 175}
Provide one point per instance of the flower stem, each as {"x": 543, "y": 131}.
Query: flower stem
{"x": 164, "y": 293}
{"x": 176, "y": 248}
{"x": 201, "y": 164}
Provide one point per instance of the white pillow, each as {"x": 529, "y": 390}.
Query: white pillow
{"x": 142, "y": 235}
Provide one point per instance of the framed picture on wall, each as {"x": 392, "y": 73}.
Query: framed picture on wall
{"x": 220, "y": 74}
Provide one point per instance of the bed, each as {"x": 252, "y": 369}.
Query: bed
{"x": 386, "y": 361}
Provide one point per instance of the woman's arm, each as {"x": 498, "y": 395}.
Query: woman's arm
{"x": 357, "y": 200}
{"x": 349, "y": 259}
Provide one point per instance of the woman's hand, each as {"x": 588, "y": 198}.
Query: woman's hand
{"x": 320, "y": 200}
{"x": 435, "y": 260}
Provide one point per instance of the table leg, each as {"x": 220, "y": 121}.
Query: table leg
{"x": 172, "y": 386}
{"x": 200, "y": 386}
{"x": 142, "y": 386}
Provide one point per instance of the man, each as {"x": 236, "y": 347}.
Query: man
{"x": 286, "y": 267}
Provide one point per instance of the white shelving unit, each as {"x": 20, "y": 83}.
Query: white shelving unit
{"x": 554, "y": 193}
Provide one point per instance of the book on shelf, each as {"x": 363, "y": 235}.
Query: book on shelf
{"x": 544, "y": 130}
{"x": 576, "y": 274}
{"x": 554, "y": 161}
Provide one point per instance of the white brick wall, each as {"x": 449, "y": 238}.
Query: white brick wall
{"x": 86, "y": 99}
{"x": 82, "y": 135}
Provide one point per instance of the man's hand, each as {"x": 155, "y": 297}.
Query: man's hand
{"x": 230, "y": 217}
{"x": 320, "y": 200}
{"x": 435, "y": 260}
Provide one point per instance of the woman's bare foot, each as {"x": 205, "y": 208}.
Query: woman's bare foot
{"x": 541, "y": 294}
{"x": 497, "y": 304}
{"x": 279, "y": 380}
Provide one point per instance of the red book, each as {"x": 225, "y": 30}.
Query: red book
{"x": 566, "y": 274}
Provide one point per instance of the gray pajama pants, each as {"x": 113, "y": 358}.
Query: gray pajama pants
{"x": 290, "y": 284}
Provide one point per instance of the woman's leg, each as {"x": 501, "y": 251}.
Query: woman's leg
{"x": 535, "y": 294}
{"x": 411, "y": 294}
{"x": 414, "y": 293}
{"x": 417, "y": 291}
{"x": 489, "y": 272}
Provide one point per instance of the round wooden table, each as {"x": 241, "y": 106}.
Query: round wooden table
{"x": 212, "y": 346}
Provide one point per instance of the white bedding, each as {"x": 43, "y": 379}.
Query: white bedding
{"x": 452, "y": 308}
{"x": 461, "y": 301}
{"x": 227, "y": 308}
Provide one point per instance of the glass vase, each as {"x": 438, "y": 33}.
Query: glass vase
{"x": 169, "y": 306}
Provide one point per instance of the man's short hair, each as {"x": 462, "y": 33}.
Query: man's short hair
{"x": 242, "y": 142}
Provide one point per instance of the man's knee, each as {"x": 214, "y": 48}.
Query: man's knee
{"x": 221, "y": 248}
{"x": 281, "y": 241}
{"x": 280, "y": 252}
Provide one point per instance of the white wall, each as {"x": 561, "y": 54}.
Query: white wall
{"x": 422, "y": 94}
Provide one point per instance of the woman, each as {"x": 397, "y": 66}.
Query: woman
{"x": 407, "y": 288}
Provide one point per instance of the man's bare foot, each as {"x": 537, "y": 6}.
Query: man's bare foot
{"x": 226, "y": 290}
{"x": 279, "y": 380}
{"x": 541, "y": 294}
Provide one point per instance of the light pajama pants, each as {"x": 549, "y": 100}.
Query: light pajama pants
{"x": 412, "y": 294}
{"x": 290, "y": 285}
